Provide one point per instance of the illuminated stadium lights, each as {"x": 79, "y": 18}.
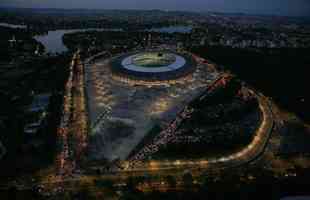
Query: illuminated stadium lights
{"x": 153, "y": 64}
{"x": 153, "y": 68}
{"x": 153, "y": 59}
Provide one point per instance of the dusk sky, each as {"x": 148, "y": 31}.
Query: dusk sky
{"x": 277, "y": 7}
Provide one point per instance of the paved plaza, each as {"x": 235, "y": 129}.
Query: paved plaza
{"x": 114, "y": 105}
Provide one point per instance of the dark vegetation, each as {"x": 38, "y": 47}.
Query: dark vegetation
{"x": 223, "y": 123}
{"x": 27, "y": 152}
{"x": 295, "y": 140}
{"x": 101, "y": 40}
{"x": 233, "y": 185}
{"x": 117, "y": 41}
{"x": 42, "y": 20}
{"x": 279, "y": 73}
{"x": 25, "y": 45}
{"x": 243, "y": 183}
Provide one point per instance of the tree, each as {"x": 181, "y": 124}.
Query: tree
{"x": 171, "y": 181}
{"x": 187, "y": 179}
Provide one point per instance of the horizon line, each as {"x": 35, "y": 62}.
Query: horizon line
{"x": 158, "y": 9}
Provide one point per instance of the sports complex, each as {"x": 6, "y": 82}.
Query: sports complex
{"x": 131, "y": 93}
{"x": 153, "y": 67}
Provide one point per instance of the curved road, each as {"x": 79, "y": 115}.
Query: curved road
{"x": 248, "y": 154}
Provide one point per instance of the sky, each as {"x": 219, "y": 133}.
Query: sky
{"x": 274, "y": 7}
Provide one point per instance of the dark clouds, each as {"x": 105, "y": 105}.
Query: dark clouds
{"x": 277, "y": 7}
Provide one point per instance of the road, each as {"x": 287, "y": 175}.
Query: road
{"x": 72, "y": 132}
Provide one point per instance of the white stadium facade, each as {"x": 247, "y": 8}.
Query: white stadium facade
{"x": 153, "y": 67}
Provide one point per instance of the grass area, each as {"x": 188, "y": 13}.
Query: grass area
{"x": 279, "y": 73}
{"x": 221, "y": 124}
{"x": 153, "y": 59}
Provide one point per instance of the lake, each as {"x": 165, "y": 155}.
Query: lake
{"x": 12, "y": 25}
{"x": 53, "y": 39}
{"x": 53, "y": 43}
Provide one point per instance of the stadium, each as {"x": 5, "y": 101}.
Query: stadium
{"x": 132, "y": 94}
{"x": 152, "y": 67}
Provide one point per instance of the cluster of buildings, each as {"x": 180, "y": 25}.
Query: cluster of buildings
{"x": 272, "y": 42}
{"x": 244, "y": 31}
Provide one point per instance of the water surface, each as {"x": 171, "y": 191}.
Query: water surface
{"x": 12, "y": 25}
{"x": 54, "y": 44}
